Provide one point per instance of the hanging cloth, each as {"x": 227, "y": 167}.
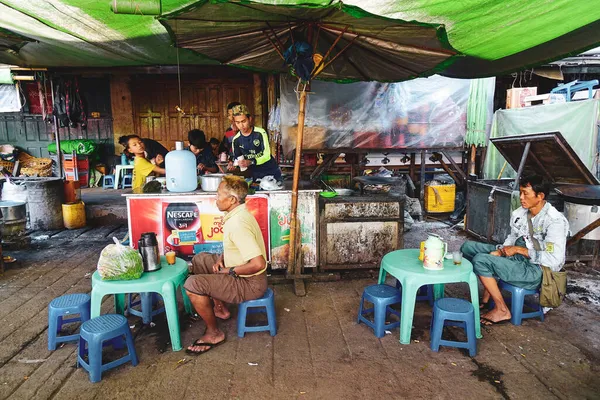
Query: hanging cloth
{"x": 477, "y": 113}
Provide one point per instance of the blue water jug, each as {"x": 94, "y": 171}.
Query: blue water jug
{"x": 181, "y": 170}
{"x": 124, "y": 160}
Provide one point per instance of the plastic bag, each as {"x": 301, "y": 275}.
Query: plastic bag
{"x": 270, "y": 183}
{"x": 118, "y": 262}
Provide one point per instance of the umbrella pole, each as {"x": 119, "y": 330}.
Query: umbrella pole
{"x": 294, "y": 267}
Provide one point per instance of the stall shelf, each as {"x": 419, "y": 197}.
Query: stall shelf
{"x": 357, "y": 231}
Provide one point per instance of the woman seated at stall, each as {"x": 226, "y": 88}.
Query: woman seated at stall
{"x": 142, "y": 168}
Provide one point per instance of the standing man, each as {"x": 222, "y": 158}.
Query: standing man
{"x": 205, "y": 160}
{"x": 235, "y": 276}
{"x": 225, "y": 146}
{"x": 252, "y": 143}
{"x": 536, "y": 224}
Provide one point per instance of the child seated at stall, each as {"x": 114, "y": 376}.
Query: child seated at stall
{"x": 142, "y": 168}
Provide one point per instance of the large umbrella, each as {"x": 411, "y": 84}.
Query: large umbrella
{"x": 334, "y": 42}
{"x": 11, "y": 41}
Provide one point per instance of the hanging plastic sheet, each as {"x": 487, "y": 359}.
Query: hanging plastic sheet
{"x": 576, "y": 121}
{"x": 9, "y": 99}
{"x": 421, "y": 113}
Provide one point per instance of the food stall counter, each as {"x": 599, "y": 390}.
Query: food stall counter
{"x": 189, "y": 223}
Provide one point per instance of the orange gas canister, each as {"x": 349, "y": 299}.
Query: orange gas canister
{"x": 72, "y": 191}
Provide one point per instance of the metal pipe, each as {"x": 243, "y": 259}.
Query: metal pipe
{"x": 56, "y": 135}
{"x": 522, "y": 164}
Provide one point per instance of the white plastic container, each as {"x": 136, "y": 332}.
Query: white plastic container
{"x": 580, "y": 216}
{"x": 181, "y": 170}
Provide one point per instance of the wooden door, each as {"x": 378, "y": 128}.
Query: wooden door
{"x": 204, "y": 102}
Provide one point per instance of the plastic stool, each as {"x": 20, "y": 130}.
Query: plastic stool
{"x": 264, "y": 304}
{"x": 127, "y": 181}
{"x": 62, "y": 306}
{"x": 108, "y": 182}
{"x": 453, "y": 312}
{"x": 517, "y": 303}
{"x": 382, "y": 297}
{"x": 146, "y": 302}
{"x": 106, "y": 328}
{"x": 425, "y": 292}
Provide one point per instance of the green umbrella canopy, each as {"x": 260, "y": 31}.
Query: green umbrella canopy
{"x": 255, "y": 35}
{"x": 492, "y": 37}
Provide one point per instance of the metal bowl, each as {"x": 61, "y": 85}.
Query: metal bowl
{"x": 344, "y": 192}
{"x": 211, "y": 182}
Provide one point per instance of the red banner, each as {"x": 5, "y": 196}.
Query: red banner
{"x": 182, "y": 223}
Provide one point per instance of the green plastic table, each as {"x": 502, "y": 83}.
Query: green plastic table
{"x": 164, "y": 282}
{"x": 405, "y": 266}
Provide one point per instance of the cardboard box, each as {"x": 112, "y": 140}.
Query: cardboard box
{"x": 515, "y": 97}
{"x": 547, "y": 98}
{"x": 584, "y": 95}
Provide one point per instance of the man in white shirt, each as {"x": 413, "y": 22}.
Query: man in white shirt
{"x": 516, "y": 261}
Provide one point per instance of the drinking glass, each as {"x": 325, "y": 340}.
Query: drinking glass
{"x": 457, "y": 257}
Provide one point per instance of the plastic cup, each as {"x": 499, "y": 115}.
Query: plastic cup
{"x": 170, "y": 256}
{"x": 239, "y": 159}
{"x": 457, "y": 257}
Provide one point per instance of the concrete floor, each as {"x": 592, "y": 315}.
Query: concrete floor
{"x": 319, "y": 352}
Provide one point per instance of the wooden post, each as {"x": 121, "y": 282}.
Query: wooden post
{"x": 472, "y": 159}
{"x": 258, "y": 101}
{"x": 422, "y": 184}
{"x": 293, "y": 266}
{"x": 122, "y": 108}
{"x": 271, "y": 94}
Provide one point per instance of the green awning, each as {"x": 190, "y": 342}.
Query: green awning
{"x": 492, "y": 37}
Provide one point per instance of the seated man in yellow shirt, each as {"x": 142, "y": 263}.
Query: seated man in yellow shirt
{"x": 141, "y": 166}
{"x": 235, "y": 276}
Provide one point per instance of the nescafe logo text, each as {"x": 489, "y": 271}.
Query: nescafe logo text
{"x": 182, "y": 215}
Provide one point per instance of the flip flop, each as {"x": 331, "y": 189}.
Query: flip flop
{"x": 483, "y": 320}
{"x": 198, "y": 343}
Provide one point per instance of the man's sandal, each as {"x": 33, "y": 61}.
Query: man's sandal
{"x": 204, "y": 344}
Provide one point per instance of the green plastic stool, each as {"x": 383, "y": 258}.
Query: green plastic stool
{"x": 164, "y": 282}
{"x": 405, "y": 266}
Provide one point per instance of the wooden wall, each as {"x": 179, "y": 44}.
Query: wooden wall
{"x": 145, "y": 104}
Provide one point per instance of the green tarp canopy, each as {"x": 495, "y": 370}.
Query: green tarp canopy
{"x": 491, "y": 37}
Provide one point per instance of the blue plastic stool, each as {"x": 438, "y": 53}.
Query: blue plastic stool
{"x": 60, "y": 307}
{"x": 517, "y": 303}
{"x": 425, "y": 293}
{"x": 453, "y": 312}
{"x": 127, "y": 181}
{"x": 147, "y": 302}
{"x": 382, "y": 297}
{"x": 108, "y": 182}
{"x": 264, "y": 304}
{"x": 106, "y": 328}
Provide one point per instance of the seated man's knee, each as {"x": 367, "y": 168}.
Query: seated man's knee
{"x": 468, "y": 249}
{"x": 482, "y": 264}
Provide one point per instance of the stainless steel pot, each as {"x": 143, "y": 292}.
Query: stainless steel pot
{"x": 211, "y": 182}
{"x": 13, "y": 210}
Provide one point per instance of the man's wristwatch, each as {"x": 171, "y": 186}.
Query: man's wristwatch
{"x": 232, "y": 272}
